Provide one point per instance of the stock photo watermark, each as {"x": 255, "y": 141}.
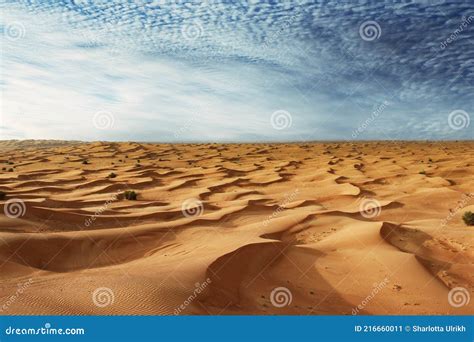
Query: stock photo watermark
{"x": 22, "y": 287}
{"x": 455, "y": 34}
{"x": 14, "y": 208}
{"x": 281, "y": 119}
{"x": 281, "y": 297}
{"x": 288, "y": 198}
{"x": 370, "y": 207}
{"x": 198, "y": 289}
{"x": 370, "y": 30}
{"x": 103, "y": 296}
{"x": 459, "y": 297}
{"x": 376, "y": 288}
{"x": 459, "y": 119}
{"x": 192, "y": 207}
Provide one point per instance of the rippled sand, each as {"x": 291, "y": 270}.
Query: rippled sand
{"x": 317, "y": 228}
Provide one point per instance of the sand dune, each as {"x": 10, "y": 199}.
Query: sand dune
{"x": 314, "y": 228}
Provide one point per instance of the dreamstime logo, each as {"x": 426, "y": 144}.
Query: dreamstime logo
{"x": 192, "y": 207}
{"x": 281, "y": 119}
{"x": 273, "y": 37}
{"x": 459, "y": 119}
{"x": 461, "y": 204}
{"x": 467, "y": 20}
{"x": 186, "y": 127}
{"x": 370, "y": 30}
{"x": 376, "y": 288}
{"x": 280, "y": 297}
{"x": 103, "y": 120}
{"x": 103, "y": 296}
{"x": 12, "y": 299}
{"x": 82, "y": 2}
{"x": 14, "y": 31}
{"x": 282, "y": 206}
{"x": 458, "y": 296}
{"x": 90, "y": 220}
{"x": 370, "y": 208}
{"x": 375, "y": 114}
{"x": 192, "y": 31}
{"x": 14, "y": 208}
{"x": 199, "y": 288}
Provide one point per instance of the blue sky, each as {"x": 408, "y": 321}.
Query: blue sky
{"x": 237, "y": 71}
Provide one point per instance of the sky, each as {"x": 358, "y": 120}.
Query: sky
{"x": 236, "y": 71}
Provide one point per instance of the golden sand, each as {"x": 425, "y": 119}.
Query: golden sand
{"x": 316, "y": 228}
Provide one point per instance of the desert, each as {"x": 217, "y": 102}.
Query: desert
{"x": 316, "y": 228}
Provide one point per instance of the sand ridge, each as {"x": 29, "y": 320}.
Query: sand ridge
{"x": 327, "y": 222}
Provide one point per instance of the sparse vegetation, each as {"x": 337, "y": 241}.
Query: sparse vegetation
{"x": 468, "y": 218}
{"x": 112, "y": 175}
{"x": 10, "y": 170}
{"x": 423, "y": 172}
{"x": 130, "y": 195}
{"x": 2, "y": 195}
{"x": 85, "y": 162}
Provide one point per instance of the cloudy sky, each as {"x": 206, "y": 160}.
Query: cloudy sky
{"x": 236, "y": 71}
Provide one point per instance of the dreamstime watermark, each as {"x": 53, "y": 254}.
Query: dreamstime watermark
{"x": 103, "y": 120}
{"x": 199, "y": 288}
{"x": 375, "y": 114}
{"x": 465, "y": 199}
{"x": 370, "y": 207}
{"x": 288, "y": 198}
{"x": 281, "y": 119}
{"x": 185, "y": 128}
{"x": 14, "y": 208}
{"x": 192, "y": 207}
{"x": 192, "y": 31}
{"x": 90, "y": 220}
{"x": 19, "y": 291}
{"x": 273, "y": 36}
{"x": 458, "y": 297}
{"x": 455, "y": 34}
{"x": 459, "y": 119}
{"x": 370, "y": 30}
{"x": 103, "y": 296}
{"x": 46, "y": 330}
{"x": 14, "y": 31}
{"x": 376, "y": 288}
{"x": 281, "y": 297}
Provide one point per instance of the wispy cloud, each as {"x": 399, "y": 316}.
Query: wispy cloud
{"x": 156, "y": 66}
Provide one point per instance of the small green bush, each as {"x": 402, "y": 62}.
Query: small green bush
{"x": 112, "y": 175}
{"x": 130, "y": 195}
{"x": 468, "y": 218}
{"x": 422, "y": 172}
{"x": 85, "y": 162}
